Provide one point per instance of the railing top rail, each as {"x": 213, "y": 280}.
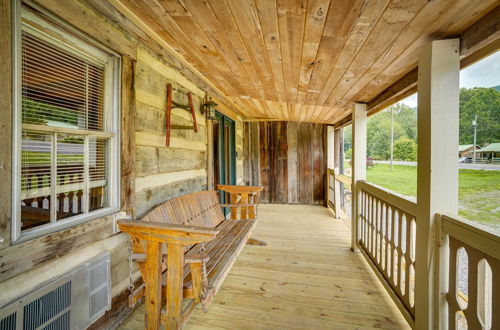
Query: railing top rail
{"x": 343, "y": 178}
{"x": 339, "y": 177}
{"x": 474, "y": 235}
{"x": 402, "y": 202}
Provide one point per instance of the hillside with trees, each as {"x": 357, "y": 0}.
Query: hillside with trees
{"x": 483, "y": 102}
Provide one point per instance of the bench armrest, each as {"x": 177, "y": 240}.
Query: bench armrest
{"x": 167, "y": 232}
{"x": 233, "y": 189}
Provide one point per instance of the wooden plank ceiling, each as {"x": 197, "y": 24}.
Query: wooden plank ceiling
{"x": 303, "y": 60}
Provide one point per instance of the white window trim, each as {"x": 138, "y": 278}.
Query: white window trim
{"x": 99, "y": 53}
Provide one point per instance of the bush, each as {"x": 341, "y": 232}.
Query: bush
{"x": 405, "y": 149}
{"x": 348, "y": 154}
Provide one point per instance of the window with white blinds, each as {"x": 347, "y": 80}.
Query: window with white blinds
{"x": 68, "y": 130}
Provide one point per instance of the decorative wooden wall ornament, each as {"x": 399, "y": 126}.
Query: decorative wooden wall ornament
{"x": 189, "y": 107}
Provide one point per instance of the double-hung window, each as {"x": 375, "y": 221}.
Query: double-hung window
{"x": 66, "y": 128}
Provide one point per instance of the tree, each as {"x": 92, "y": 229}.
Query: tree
{"x": 405, "y": 149}
{"x": 379, "y": 135}
{"x": 485, "y": 103}
{"x": 407, "y": 118}
{"x": 348, "y": 153}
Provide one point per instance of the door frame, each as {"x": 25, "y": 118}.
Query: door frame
{"x": 223, "y": 122}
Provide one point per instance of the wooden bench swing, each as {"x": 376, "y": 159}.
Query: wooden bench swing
{"x": 185, "y": 248}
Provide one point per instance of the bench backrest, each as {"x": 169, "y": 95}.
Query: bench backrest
{"x": 200, "y": 208}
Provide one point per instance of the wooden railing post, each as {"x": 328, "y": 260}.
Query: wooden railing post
{"x": 175, "y": 262}
{"x": 336, "y": 193}
{"x": 153, "y": 285}
{"x": 330, "y": 151}
{"x": 359, "y": 122}
{"x": 437, "y": 186}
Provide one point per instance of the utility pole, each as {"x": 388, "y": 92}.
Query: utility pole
{"x": 474, "y": 125}
{"x": 392, "y": 137}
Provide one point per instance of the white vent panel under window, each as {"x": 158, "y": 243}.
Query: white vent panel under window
{"x": 73, "y": 301}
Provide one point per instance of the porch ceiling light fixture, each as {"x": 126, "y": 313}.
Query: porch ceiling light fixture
{"x": 209, "y": 108}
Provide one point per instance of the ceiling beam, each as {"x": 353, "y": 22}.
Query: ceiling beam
{"x": 476, "y": 42}
{"x": 343, "y": 122}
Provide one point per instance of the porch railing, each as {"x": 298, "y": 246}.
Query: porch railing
{"x": 468, "y": 259}
{"x": 471, "y": 272}
{"x": 333, "y": 189}
{"x": 386, "y": 236}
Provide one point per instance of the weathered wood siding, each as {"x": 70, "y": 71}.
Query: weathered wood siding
{"x": 288, "y": 159}
{"x": 151, "y": 173}
{"x": 165, "y": 172}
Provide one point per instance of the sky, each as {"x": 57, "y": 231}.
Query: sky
{"x": 485, "y": 73}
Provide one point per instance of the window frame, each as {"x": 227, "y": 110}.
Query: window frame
{"x": 81, "y": 45}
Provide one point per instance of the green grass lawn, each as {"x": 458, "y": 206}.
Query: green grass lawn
{"x": 479, "y": 191}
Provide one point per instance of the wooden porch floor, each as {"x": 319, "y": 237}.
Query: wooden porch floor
{"x": 305, "y": 278}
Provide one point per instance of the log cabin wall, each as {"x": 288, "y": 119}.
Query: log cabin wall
{"x": 150, "y": 172}
{"x": 165, "y": 172}
{"x": 288, "y": 159}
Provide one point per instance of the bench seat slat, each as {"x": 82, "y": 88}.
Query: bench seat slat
{"x": 224, "y": 245}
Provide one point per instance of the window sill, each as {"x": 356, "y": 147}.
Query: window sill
{"x": 64, "y": 224}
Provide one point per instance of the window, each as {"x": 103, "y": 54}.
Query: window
{"x": 66, "y": 128}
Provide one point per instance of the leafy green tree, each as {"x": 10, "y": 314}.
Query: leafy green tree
{"x": 379, "y": 135}
{"x": 407, "y": 118}
{"x": 405, "y": 149}
{"x": 485, "y": 103}
{"x": 348, "y": 153}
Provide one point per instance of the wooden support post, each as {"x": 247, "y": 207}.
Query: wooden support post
{"x": 243, "y": 212}
{"x": 234, "y": 201}
{"x": 437, "y": 172}
{"x": 127, "y": 136}
{"x": 6, "y": 113}
{"x": 253, "y": 198}
{"x": 210, "y": 155}
{"x": 336, "y": 188}
{"x": 153, "y": 285}
{"x": 175, "y": 262}
{"x": 358, "y": 165}
{"x": 330, "y": 152}
{"x": 196, "y": 276}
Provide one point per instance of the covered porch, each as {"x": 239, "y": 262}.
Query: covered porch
{"x": 116, "y": 113}
{"x": 305, "y": 278}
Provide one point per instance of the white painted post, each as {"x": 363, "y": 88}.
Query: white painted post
{"x": 330, "y": 130}
{"x": 359, "y": 122}
{"x": 336, "y": 200}
{"x": 330, "y": 148}
{"x": 437, "y": 173}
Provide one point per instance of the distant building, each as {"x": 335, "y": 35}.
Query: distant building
{"x": 490, "y": 153}
{"x": 466, "y": 150}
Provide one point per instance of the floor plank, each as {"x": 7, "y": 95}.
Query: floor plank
{"x": 305, "y": 278}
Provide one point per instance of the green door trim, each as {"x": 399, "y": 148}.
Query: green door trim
{"x": 223, "y": 123}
